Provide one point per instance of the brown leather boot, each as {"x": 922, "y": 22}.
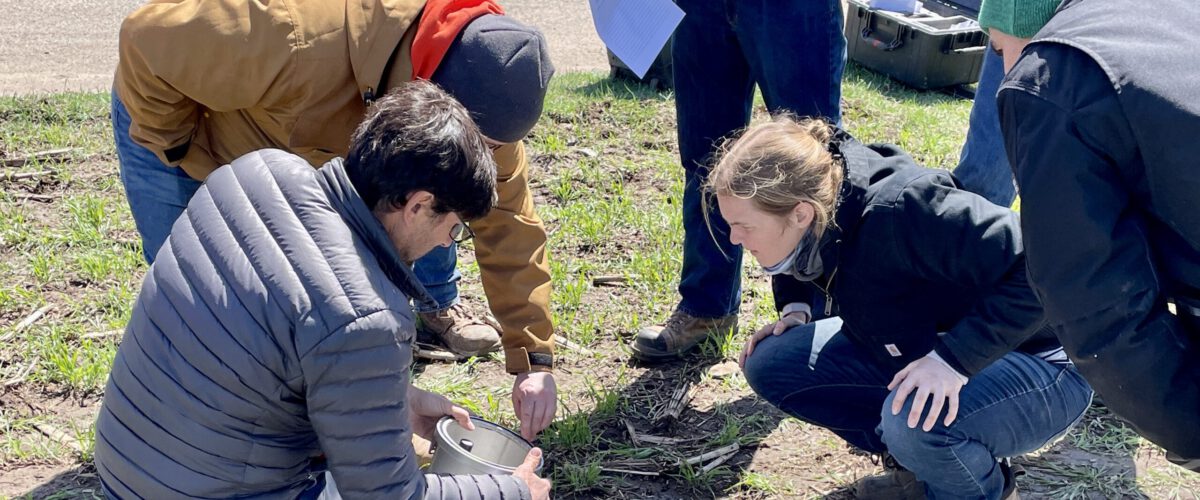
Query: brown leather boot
{"x": 463, "y": 333}
{"x": 682, "y": 333}
{"x": 896, "y": 483}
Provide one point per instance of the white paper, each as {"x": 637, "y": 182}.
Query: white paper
{"x": 901, "y": 6}
{"x": 635, "y": 30}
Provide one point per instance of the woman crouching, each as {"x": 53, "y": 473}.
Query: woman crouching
{"x": 906, "y": 324}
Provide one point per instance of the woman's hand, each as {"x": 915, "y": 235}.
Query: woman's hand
{"x": 925, "y": 378}
{"x": 776, "y": 328}
{"x": 426, "y": 408}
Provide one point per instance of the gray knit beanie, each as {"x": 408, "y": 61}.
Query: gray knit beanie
{"x": 498, "y": 69}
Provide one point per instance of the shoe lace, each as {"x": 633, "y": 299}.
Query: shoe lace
{"x": 460, "y": 315}
{"x": 676, "y": 321}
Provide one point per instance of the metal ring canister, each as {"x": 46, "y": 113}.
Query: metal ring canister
{"x": 489, "y": 449}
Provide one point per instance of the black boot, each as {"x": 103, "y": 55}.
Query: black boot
{"x": 1010, "y": 472}
{"x": 1192, "y": 464}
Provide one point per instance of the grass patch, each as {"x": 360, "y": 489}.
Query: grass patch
{"x": 763, "y": 484}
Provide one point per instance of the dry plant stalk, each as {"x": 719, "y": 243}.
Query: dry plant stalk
{"x": 679, "y": 400}
{"x": 27, "y": 322}
{"x": 48, "y": 155}
{"x": 20, "y": 377}
{"x": 633, "y": 472}
{"x": 665, "y": 440}
{"x": 59, "y": 435}
{"x": 558, "y": 339}
{"x": 717, "y": 463}
{"x": 25, "y": 175}
{"x": 617, "y": 281}
{"x": 719, "y": 452}
{"x": 633, "y": 435}
{"x": 44, "y": 198}
{"x": 433, "y": 354}
{"x": 99, "y": 335}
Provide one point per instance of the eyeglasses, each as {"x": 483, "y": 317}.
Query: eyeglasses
{"x": 461, "y": 232}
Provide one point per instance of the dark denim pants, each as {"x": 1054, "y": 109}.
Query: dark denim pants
{"x": 795, "y": 52}
{"x": 983, "y": 166}
{"x": 158, "y": 194}
{"x": 1015, "y": 406}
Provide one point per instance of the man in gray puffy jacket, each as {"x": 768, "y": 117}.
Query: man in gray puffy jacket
{"x": 271, "y": 340}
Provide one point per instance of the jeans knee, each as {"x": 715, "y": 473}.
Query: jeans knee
{"x": 758, "y": 371}
{"x": 766, "y": 373}
{"x": 910, "y": 446}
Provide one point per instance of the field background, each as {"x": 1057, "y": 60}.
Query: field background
{"x": 608, "y": 183}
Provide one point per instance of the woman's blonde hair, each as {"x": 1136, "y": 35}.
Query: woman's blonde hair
{"x": 778, "y": 164}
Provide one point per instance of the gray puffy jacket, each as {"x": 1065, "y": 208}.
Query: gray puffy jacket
{"x": 273, "y": 328}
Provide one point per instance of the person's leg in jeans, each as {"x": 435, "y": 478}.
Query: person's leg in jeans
{"x": 815, "y": 373}
{"x": 713, "y": 96}
{"x": 1015, "y": 406}
{"x": 157, "y": 193}
{"x": 796, "y": 53}
{"x": 438, "y": 271}
{"x": 464, "y": 333}
{"x": 983, "y": 166}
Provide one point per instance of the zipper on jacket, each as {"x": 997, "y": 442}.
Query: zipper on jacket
{"x": 828, "y": 296}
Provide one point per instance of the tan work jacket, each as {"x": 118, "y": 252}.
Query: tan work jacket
{"x": 220, "y": 78}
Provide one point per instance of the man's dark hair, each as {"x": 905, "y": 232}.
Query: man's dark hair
{"x": 416, "y": 138}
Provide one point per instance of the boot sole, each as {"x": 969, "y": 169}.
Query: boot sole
{"x": 658, "y": 357}
{"x": 646, "y": 357}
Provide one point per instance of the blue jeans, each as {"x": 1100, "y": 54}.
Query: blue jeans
{"x": 1014, "y": 406}
{"x": 438, "y": 271}
{"x": 158, "y": 193}
{"x": 795, "y": 53}
{"x": 983, "y": 166}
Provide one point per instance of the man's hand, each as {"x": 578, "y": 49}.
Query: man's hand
{"x": 426, "y": 408}
{"x": 925, "y": 378}
{"x": 535, "y": 401}
{"x": 539, "y": 489}
{"x": 776, "y": 328}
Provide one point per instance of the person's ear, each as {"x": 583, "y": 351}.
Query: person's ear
{"x": 803, "y": 214}
{"x": 416, "y": 201}
{"x": 1009, "y": 46}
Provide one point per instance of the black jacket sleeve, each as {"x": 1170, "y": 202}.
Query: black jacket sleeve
{"x": 954, "y": 236}
{"x": 1090, "y": 260}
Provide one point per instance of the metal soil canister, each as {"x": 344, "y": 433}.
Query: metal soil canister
{"x": 489, "y": 449}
